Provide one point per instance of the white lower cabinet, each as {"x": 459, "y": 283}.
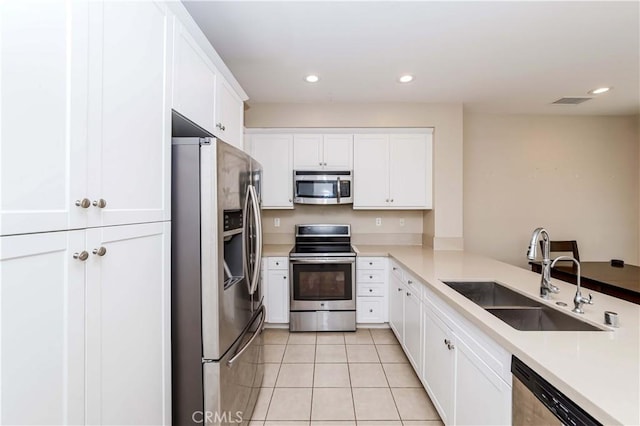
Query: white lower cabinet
{"x": 276, "y": 289}
{"x": 371, "y": 290}
{"x": 439, "y": 365}
{"x": 128, "y": 320}
{"x": 465, "y": 373}
{"x": 42, "y": 329}
{"x": 86, "y": 335}
{"x": 412, "y": 341}
{"x": 462, "y": 386}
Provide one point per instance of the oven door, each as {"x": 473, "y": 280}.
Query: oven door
{"x": 319, "y": 284}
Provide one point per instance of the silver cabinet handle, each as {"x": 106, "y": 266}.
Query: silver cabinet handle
{"x": 450, "y": 347}
{"x": 82, "y": 256}
{"x": 399, "y": 289}
{"x": 370, "y": 310}
{"x": 371, "y": 263}
{"x": 277, "y": 263}
{"x": 409, "y": 282}
{"x": 84, "y": 203}
{"x": 320, "y": 163}
{"x": 102, "y": 203}
{"x": 370, "y": 290}
{"x": 386, "y": 201}
{"x": 408, "y": 294}
{"x": 100, "y": 251}
{"x": 392, "y": 200}
{"x": 447, "y": 341}
{"x": 395, "y": 269}
{"x": 290, "y": 200}
{"x": 221, "y": 126}
{"x": 370, "y": 277}
{"x": 284, "y": 278}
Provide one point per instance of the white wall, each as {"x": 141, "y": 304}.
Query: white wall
{"x": 442, "y": 227}
{"x": 577, "y": 176}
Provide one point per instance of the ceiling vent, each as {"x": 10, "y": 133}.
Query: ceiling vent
{"x": 571, "y": 101}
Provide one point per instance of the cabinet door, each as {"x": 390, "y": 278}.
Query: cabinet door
{"x": 129, "y": 325}
{"x": 478, "y": 387}
{"x": 275, "y": 154}
{"x": 230, "y": 114}
{"x": 439, "y": 362}
{"x": 277, "y": 296}
{"x": 396, "y": 307}
{"x": 307, "y": 152}
{"x": 42, "y": 329}
{"x": 338, "y": 152}
{"x": 409, "y": 171}
{"x": 370, "y": 171}
{"x": 44, "y": 71}
{"x": 194, "y": 81}
{"x": 413, "y": 328}
{"x": 129, "y": 150}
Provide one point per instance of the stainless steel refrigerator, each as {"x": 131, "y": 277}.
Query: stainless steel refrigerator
{"x": 217, "y": 311}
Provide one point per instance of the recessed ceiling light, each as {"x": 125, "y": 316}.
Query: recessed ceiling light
{"x": 311, "y": 78}
{"x": 407, "y": 78}
{"x": 599, "y": 90}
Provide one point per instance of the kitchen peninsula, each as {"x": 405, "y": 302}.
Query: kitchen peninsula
{"x": 598, "y": 370}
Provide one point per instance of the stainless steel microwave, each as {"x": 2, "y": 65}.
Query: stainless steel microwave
{"x": 322, "y": 187}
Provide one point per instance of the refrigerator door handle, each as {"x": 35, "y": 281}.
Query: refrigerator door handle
{"x": 245, "y": 238}
{"x": 255, "y": 276}
{"x": 239, "y": 353}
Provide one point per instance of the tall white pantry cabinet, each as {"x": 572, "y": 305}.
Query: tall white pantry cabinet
{"x": 85, "y": 138}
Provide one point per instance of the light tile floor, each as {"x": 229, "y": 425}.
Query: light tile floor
{"x": 340, "y": 379}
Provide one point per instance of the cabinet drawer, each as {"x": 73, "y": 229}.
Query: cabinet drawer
{"x": 278, "y": 263}
{"x": 373, "y": 276}
{"x": 366, "y": 289}
{"x": 372, "y": 262}
{"x": 370, "y": 309}
{"x": 396, "y": 270}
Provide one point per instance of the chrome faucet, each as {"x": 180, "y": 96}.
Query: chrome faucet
{"x": 578, "y": 300}
{"x": 545, "y": 280}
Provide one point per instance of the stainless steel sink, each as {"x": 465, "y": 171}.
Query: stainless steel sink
{"x": 490, "y": 293}
{"x": 519, "y": 311}
{"x": 541, "y": 318}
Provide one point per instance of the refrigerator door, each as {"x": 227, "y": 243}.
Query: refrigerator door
{"x": 226, "y": 303}
{"x": 231, "y": 386}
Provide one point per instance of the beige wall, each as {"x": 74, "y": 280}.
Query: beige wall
{"x": 363, "y": 224}
{"x": 576, "y": 176}
{"x": 442, "y": 226}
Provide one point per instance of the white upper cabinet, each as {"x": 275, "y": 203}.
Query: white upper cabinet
{"x": 275, "y": 153}
{"x": 229, "y": 114}
{"x": 392, "y": 171}
{"x": 42, "y": 329}
{"x": 129, "y": 117}
{"x": 194, "y": 81}
{"x": 322, "y": 152}
{"x": 43, "y": 141}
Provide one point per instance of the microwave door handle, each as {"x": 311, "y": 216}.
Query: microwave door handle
{"x": 338, "y": 184}
{"x": 245, "y": 239}
{"x": 258, "y": 241}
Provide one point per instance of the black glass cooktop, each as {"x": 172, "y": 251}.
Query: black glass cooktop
{"x": 322, "y": 249}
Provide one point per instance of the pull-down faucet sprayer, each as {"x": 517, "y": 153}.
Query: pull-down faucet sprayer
{"x": 545, "y": 280}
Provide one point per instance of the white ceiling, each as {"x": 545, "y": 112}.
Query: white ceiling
{"x": 492, "y": 56}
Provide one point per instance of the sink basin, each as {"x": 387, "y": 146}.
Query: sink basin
{"x": 490, "y": 293}
{"x": 519, "y": 311}
{"x": 540, "y": 318}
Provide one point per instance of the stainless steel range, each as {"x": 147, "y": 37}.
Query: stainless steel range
{"x": 322, "y": 267}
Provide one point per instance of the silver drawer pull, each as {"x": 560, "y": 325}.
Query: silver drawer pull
{"x": 82, "y": 256}
{"x": 409, "y": 282}
{"x": 101, "y": 251}
{"x": 399, "y": 289}
{"x": 408, "y": 294}
{"x": 370, "y": 290}
{"x": 102, "y": 203}
{"x": 84, "y": 203}
{"x": 370, "y": 310}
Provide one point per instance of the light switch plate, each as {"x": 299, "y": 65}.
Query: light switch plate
{"x": 276, "y": 222}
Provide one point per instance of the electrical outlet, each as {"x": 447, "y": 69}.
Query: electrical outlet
{"x": 276, "y": 222}
{"x": 378, "y": 221}
{"x": 402, "y": 221}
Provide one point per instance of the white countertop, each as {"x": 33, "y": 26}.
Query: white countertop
{"x": 598, "y": 370}
{"x": 276, "y": 250}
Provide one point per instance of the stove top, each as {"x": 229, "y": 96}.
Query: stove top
{"x": 323, "y": 240}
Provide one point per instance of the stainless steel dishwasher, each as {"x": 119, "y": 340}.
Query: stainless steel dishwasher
{"x": 537, "y": 402}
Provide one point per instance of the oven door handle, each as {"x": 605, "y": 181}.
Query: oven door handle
{"x": 327, "y": 260}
